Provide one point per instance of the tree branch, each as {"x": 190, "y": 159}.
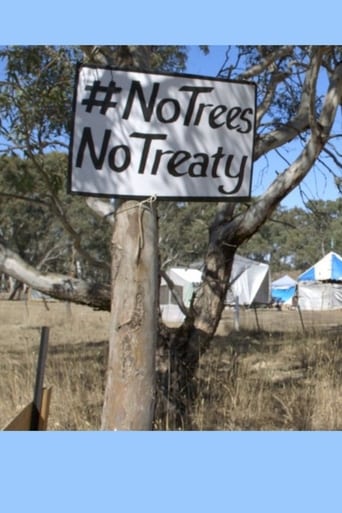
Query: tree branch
{"x": 303, "y": 118}
{"x": 247, "y": 224}
{"x": 174, "y": 294}
{"x": 23, "y": 198}
{"x": 101, "y": 208}
{"x": 58, "y": 286}
{"x": 272, "y": 57}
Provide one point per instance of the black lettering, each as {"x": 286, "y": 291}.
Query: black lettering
{"x": 87, "y": 140}
{"x": 217, "y": 157}
{"x": 244, "y": 113}
{"x": 157, "y": 157}
{"x": 195, "y": 92}
{"x": 178, "y": 158}
{"x": 239, "y": 176}
{"x": 147, "y": 108}
{"x": 176, "y": 110}
{"x": 147, "y": 145}
{"x": 112, "y": 160}
{"x": 203, "y": 166}
{"x": 215, "y": 114}
{"x": 231, "y": 116}
{"x": 201, "y": 108}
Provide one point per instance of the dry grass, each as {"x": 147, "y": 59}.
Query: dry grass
{"x": 268, "y": 381}
{"x": 270, "y": 375}
{"x": 76, "y": 373}
{"x": 75, "y": 364}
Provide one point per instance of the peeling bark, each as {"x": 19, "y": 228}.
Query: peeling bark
{"x": 226, "y": 234}
{"x": 59, "y": 286}
{"x": 130, "y": 384}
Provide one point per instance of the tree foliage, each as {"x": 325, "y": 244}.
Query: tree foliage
{"x": 39, "y": 221}
{"x": 298, "y": 98}
{"x": 294, "y": 239}
{"x": 48, "y": 228}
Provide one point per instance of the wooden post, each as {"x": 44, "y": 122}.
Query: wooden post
{"x": 45, "y": 409}
{"x": 22, "y": 422}
{"x": 236, "y": 314}
{"x": 301, "y": 317}
{"x": 130, "y": 384}
{"x": 256, "y": 318}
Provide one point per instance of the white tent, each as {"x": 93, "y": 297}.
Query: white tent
{"x": 284, "y": 288}
{"x": 320, "y": 286}
{"x": 329, "y": 268}
{"x": 319, "y": 296}
{"x": 185, "y": 283}
{"x": 250, "y": 284}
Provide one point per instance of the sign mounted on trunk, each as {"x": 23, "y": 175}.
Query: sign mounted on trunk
{"x": 138, "y": 134}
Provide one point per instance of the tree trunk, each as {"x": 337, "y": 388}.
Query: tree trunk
{"x": 130, "y": 386}
{"x": 185, "y": 346}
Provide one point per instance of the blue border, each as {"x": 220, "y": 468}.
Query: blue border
{"x": 200, "y": 472}
{"x": 147, "y": 22}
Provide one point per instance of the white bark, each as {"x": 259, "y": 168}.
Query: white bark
{"x": 101, "y": 208}
{"x": 227, "y": 234}
{"x": 296, "y": 172}
{"x": 300, "y": 121}
{"x": 59, "y": 286}
{"x": 130, "y": 384}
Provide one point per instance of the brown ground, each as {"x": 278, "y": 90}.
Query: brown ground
{"x": 282, "y": 321}
{"x": 264, "y": 356}
{"x": 69, "y": 323}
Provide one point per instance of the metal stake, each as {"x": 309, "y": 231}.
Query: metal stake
{"x": 38, "y": 391}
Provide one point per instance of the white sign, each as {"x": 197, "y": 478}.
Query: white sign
{"x": 172, "y": 136}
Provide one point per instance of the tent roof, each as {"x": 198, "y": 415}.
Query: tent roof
{"x": 284, "y": 282}
{"x": 328, "y": 268}
{"x": 250, "y": 282}
{"x": 182, "y": 276}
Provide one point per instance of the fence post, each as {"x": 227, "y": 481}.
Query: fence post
{"x": 301, "y": 317}
{"x": 236, "y": 314}
{"x": 38, "y": 391}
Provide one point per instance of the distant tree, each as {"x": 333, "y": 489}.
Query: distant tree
{"x": 183, "y": 232}
{"x": 326, "y": 223}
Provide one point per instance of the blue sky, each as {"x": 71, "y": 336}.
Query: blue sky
{"x": 186, "y": 472}
{"x": 318, "y": 184}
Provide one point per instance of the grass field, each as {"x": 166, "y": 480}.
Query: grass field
{"x": 279, "y": 371}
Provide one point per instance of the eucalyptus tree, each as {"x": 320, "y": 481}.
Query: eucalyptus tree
{"x": 294, "y": 238}
{"x": 291, "y": 109}
{"x": 299, "y": 93}
{"x": 36, "y": 91}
